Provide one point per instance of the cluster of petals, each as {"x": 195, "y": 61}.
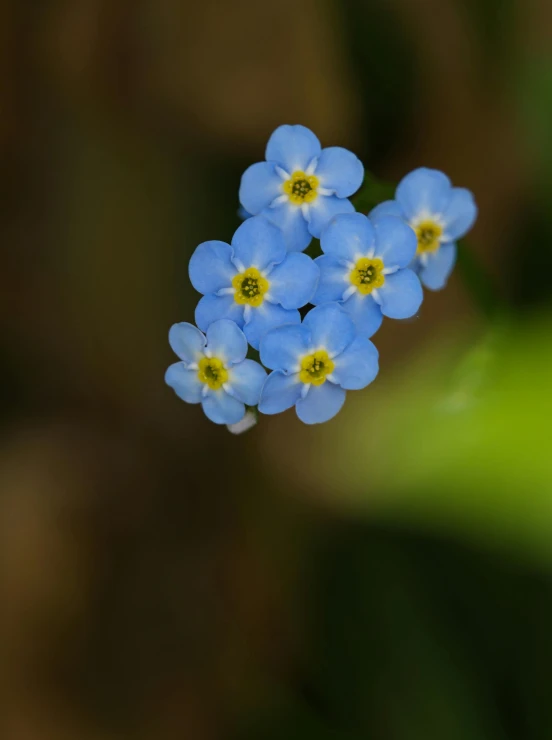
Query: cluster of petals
{"x": 283, "y": 282}
{"x": 372, "y": 266}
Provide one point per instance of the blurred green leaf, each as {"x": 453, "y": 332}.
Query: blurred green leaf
{"x": 481, "y": 468}
{"x": 535, "y": 97}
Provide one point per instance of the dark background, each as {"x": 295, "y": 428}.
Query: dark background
{"x": 384, "y": 576}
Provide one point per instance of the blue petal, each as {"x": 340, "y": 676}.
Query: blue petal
{"x": 334, "y": 280}
{"x": 435, "y": 273}
{"x": 268, "y": 316}
{"x": 186, "y": 341}
{"x": 260, "y": 184}
{"x": 323, "y": 209}
{"x": 258, "y": 243}
{"x": 357, "y": 366}
{"x": 185, "y": 383}
{"x": 330, "y": 328}
{"x": 387, "y": 208}
{"x": 365, "y": 312}
{"x": 222, "y": 408}
{"x": 289, "y": 218}
{"x": 396, "y": 242}
{"x": 423, "y": 190}
{"x": 348, "y": 237}
{"x": 282, "y": 348}
{"x": 246, "y": 380}
{"x": 213, "y": 307}
{"x": 292, "y": 147}
{"x": 226, "y": 341}
{"x": 293, "y": 282}
{"x": 401, "y": 295}
{"x": 322, "y": 403}
{"x": 210, "y": 267}
{"x": 243, "y": 215}
{"x": 279, "y": 393}
{"x": 459, "y": 215}
{"x": 339, "y": 170}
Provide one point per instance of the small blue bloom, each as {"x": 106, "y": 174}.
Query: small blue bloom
{"x": 315, "y": 363}
{"x": 364, "y": 267}
{"x": 213, "y": 370}
{"x": 439, "y": 214}
{"x": 301, "y": 186}
{"x": 253, "y": 281}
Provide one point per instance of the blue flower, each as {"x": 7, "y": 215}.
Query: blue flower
{"x": 253, "y": 282}
{"x": 439, "y": 214}
{"x": 213, "y": 370}
{"x": 364, "y": 267}
{"x": 300, "y": 186}
{"x": 315, "y": 363}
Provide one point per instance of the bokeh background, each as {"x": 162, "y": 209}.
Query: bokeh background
{"x": 384, "y": 576}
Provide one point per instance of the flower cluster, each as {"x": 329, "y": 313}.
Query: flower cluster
{"x": 309, "y": 321}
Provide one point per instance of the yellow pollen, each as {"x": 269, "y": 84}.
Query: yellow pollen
{"x": 250, "y": 287}
{"x": 367, "y": 274}
{"x": 301, "y": 188}
{"x": 212, "y": 372}
{"x": 316, "y": 367}
{"x": 429, "y": 236}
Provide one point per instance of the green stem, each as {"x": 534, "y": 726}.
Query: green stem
{"x": 372, "y": 192}
{"x": 479, "y": 283}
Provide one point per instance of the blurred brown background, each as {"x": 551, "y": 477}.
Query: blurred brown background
{"x": 150, "y": 563}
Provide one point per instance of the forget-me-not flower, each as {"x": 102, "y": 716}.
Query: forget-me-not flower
{"x": 364, "y": 267}
{"x": 315, "y": 363}
{"x": 301, "y": 186}
{"x": 213, "y": 370}
{"x": 253, "y": 281}
{"x": 439, "y": 214}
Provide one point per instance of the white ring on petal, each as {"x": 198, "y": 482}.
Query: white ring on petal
{"x": 349, "y": 292}
{"x": 279, "y": 200}
{"x": 311, "y": 168}
{"x": 325, "y": 191}
{"x": 305, "y": 210}
{"x": 376, "y": 296}
{"x": 240, "y": 267}
{"x": 281, "y": 171}
{"x": 192, "y": 366}
{"x": 424, "y": 258}
{"x": 226, "y": 291}
{"x": 247, "y": 311}
{"x": 390, "y": 270}
{"x": 305, "y": 389}
{"x": 422, "y": 216}
{"x": 205, "y": 391}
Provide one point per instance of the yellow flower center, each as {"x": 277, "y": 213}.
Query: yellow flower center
{"x": 315, "y": 368}
{"x": 212, "y": 372}
{"x": 367, "y": 274}
{"x": 429, "y": 236}
{"x": 301, "y": 188}
{"x": 250, "y": 287}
